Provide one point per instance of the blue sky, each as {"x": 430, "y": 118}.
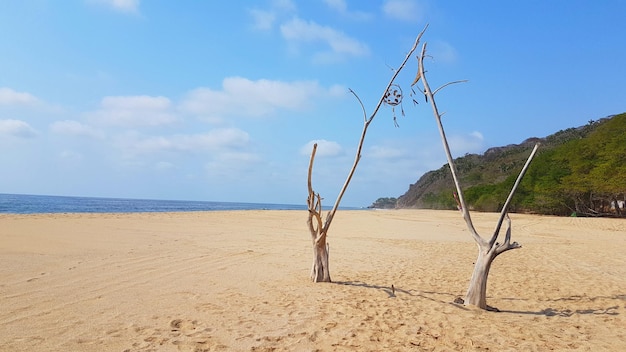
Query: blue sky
{"x": 221, "y": 100}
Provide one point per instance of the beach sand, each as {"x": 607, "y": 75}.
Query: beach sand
{"x": 239, "y": 281}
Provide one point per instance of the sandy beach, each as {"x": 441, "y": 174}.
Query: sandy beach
{"x": 239, "y": 281}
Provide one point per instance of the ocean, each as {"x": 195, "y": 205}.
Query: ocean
{"x": 35, "y": 204}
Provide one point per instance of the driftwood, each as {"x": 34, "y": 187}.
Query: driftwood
{"x": 488, "y": 250}
{"x": 317, "y": 228}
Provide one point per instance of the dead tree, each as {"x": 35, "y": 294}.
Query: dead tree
{"x": 318, "y": 229}
{"x": 488, "y": 250}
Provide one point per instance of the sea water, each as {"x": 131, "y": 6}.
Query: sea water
{"x": 34, "y": 204}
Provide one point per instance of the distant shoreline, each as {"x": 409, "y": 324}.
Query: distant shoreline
{"x": 45, "y": 204}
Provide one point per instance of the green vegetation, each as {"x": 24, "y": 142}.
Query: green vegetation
{"x": 578, "y": 171}
{"x": 384, "y": 203}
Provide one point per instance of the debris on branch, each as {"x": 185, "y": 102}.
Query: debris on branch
{"x": 392, "y": 95}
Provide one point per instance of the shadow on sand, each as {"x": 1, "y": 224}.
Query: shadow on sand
{"x": 550, "y": 312}
{"x": 392, "y": 291}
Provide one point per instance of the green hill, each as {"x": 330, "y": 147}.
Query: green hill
{"x": 578, "y": 170}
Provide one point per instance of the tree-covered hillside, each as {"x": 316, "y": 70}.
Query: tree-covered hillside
{"x": 384, "y": 203}
{"x": 579, "y": 170}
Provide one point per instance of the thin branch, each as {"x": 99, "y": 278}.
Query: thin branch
{"x": 382, "y": 99}
{"x": 429, "y": 94}
{"x": 314, "y": 201}
{"x": 507, "y": 245}
{"x": 417, "y": 78}
{"x": 447, "y": 84}
{"x": 505, "y": 208}
{"x": 309, "y": 183}
{"x": 507, "y": 237}
{"x": 317, "y": 212}
{"x": 357, "y": 157}
{"x": 361, "y": 103}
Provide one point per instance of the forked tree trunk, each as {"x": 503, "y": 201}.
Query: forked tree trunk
{"x": 319, "y": 271}
{"x": 487, "y": 250}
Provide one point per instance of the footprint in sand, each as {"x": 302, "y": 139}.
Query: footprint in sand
{"x": 193, "y": 338}
{"x": 188, "y": 327}
{"x": 192, "y": 346}
{"x": 36, "y": 278}
{"x": 184, "y": 326}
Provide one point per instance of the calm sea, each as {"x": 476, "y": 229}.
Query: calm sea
{"x": 33, "y": 204}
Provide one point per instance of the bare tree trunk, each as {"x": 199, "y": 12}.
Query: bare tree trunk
{"x": 320, "y": 271}
{"x": 477, "y": 292}
{"x": 487, "y": 250}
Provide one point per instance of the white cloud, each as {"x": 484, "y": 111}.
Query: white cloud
{"x": 125, "y": 6}
{"x": 164, "y": 165}
{"x": 75, "y": 128}
{"x": 469, "y": 143}
{"x": 135, "y": 102}
{"x": 477, "y": 135}
{"x": 284, "y": 5}
{"x": 11, "y": 97}
{"x": 339, "y": 44}
{"x": 385, "y": 152}
{"x": 337, "y": 5}
{"x": 443, "y": 52}
{"x": 403, "y": 10}
{"x": 324, "y": 148}
{"x": 16, "y": 128}
{"x": 213, "y": 141}
{"x": 243, "y": 97}
{"x": 70, "y": 155}
{"x": 133, "y": 111}
{"x": 263, "y": 20}
{"x": 337, "y": 91}
{"x": 232, "y": 165}
{"x": 342, "y": 7}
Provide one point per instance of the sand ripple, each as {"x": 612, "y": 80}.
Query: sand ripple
{"x": 238, "y": 281}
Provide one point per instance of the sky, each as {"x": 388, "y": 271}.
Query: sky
{"x": 222, "y": 100}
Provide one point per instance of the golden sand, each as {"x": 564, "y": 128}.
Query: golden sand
{"x": 239, "y": 281}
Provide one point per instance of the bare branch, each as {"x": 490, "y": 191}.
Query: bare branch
{"x": 507, "y": 237}
{"x": 311, "y": 199}
{"x": 477, "y": 291}
{"x": 461, "y": 200}
{"x": 507, "y": 245}
{"x": 361, "y": 103}
{"x": 357, "y": 156}
{"x": 314, "y": 202}
{"x": 447, "y": 84}
{"x": 380, "y": 102}
{"x": 504, "y": 210}
{"x": 417, "y": 78}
